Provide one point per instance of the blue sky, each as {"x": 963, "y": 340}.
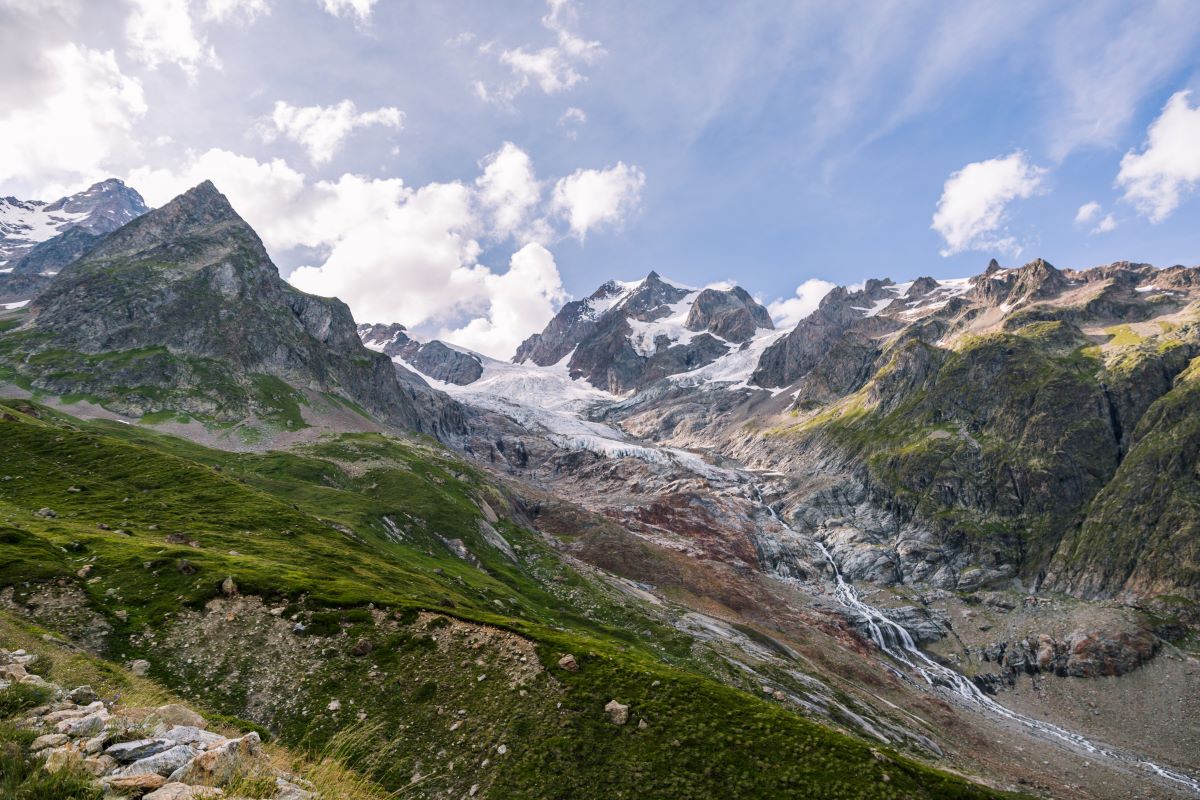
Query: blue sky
{"x": 501, "y": 157}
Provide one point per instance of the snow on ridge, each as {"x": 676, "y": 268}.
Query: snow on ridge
{"x": 733, "y": 368}
{"x": 644, "y": 334}
{"x": 14, "y": 306}
{"x": 875, "y": 309}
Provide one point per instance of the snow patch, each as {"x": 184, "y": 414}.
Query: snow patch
{"x": 735, "y": 367}
{"x": 645, "y": 334}
{"x": 875, "y": 309}
{"x": 13, "y": 306}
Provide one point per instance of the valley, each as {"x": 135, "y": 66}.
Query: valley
{"x": 936, "y": 540}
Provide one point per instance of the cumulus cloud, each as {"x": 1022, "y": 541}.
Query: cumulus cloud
{"x": 321, "y": 130}
{"x": 1158, "y": 179}
{"x": 971, "y": 212}
{"x": 86, "y": 111}
{"x": 591, "y": 198}
{"x": 360, "y": 9}
{"x": 1089, "y": 212}
{"x": 787, "y": 313}
{"x": 522, "y": 300}
{"x": 553, "y": 69}
{"x": 162, "y": 32}
{"x": 1105, "y": 225}
{"x": 397, "y": 253}
{"x": 508, "y": 189}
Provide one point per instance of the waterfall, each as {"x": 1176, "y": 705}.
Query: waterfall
{"x": 898, "y": 644}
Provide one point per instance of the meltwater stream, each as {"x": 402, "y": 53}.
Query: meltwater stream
{"x": 894, "y": 640}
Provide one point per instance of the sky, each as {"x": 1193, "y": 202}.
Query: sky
{"x": 465, "y": 167}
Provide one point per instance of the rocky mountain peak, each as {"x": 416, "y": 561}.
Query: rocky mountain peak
{"x": 196, "y": 229}
{"x": 434, "y": 359}
{"x": 99, "y": 209}
{"x": 191, "y": 286}
{"x": 731, "y": 314}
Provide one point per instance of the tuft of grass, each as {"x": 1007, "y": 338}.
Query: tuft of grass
{"x": 21, "y": 697}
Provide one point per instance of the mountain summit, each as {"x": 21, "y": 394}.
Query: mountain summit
{"x": 99, "y": 209}
{"x": 627, "y": 335}
{"x": 183, "y": 308}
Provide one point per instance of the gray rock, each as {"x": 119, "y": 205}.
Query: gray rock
{"x": 163, "y": 763}
{"x": 618, "y": 713}
{"x": 128, "y": 752}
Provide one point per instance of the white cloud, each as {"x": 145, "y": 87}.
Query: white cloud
{"x": 508, "y": 188}
{"x": 788, "y": 313}
{"x": 1087, "y": 212}
{"x": 590, "y": 198}
{"x": 553, "y": 69}
{"x": 1104, "y": 59}
{"x": 1105, "y": 225}
{"x": 1168, "y": 169}
{"x": 320, "y": 130}
{"x": 162, "y": 32}
{"x": 522, "y": 300}
{"x": 396, "y": 253}
{"x": 224, "y": 10}
{"x": 572, "y": 119}
{"x": 971, "y": 212}
{"x": 344, "y": 8}
{"x": 84, "y": 113}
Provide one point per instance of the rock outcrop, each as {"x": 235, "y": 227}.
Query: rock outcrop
{"x": 109, "y": 742}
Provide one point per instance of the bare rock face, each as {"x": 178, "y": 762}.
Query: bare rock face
{"x": 627, "y": 336}
{"x": 732, "y": 315}
{"x": 801, "y": 351}
{"x": 434, "y": 359}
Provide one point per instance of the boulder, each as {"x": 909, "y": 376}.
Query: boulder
{"x": 174, "y": 714}
{"x": 128, "y": 752}
{"x": 49, "y": 740}
{"x": 163, "y": 763}
{"x": 220, "y": 764}
{"x": 84, "y": 727}
{"x": 62, "y": 758}
{"x": 196, "y": 737}
{"x": 285, "y": 790}
{"x": 569, "y": 663}
{"x": 618, "y": 713}
{"x": 83, "y": 695}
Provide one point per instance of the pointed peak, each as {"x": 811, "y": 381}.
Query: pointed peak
{"x": 202, "y": 203}
{"x": 653, "y": 276}
{"x": 993, "y": 266}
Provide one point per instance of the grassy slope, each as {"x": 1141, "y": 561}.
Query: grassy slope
{"x": 307, "y": 530}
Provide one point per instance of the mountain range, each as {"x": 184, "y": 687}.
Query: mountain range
{"x": 939, "y": 539}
